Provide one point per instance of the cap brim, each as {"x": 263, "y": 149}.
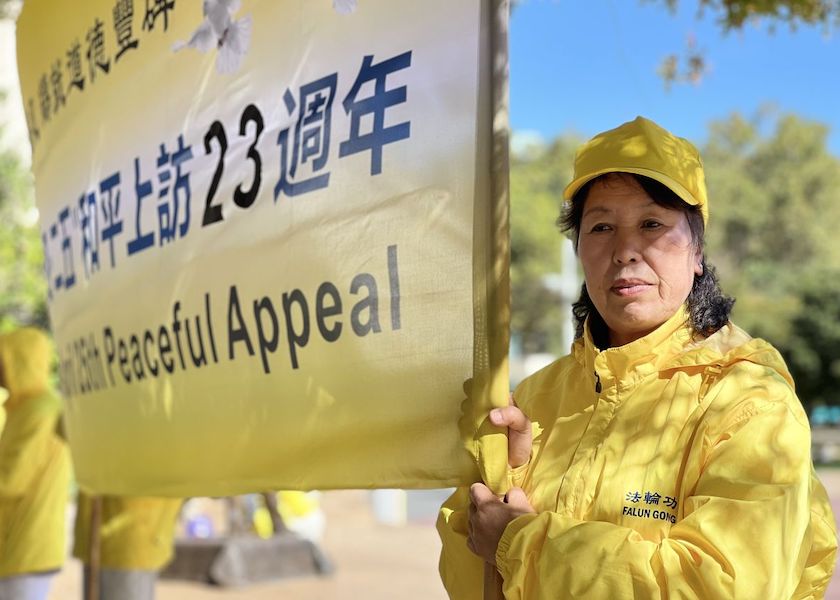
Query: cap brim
{"x": 662, "y": 178}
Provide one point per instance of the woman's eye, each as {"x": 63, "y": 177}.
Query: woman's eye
{"x": 599, "y": 227}
{"x": 651, "y": 225}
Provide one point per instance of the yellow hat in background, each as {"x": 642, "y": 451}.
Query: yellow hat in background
{"x": 644, "y": 148}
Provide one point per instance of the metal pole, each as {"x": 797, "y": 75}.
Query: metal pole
{"x": 498, "y": 57}
{"x": 94, "y": 565}
{"x": 569, "y": 290}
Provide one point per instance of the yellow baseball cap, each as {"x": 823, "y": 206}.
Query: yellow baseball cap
{"x": 642, "y": 147}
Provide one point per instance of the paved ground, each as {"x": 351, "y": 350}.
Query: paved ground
{"x": 831, "y": 480}
{"x": 372, "y": 561}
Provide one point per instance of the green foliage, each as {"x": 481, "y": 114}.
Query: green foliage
{"x": 774, "y": 193}
{"x": 734, "y": 14}
{"x": 812, "y": 351}
{"x": 22, "y": 285}
{"x": 537, "y": 180}
{"x": 9, "y": 9}
{"x": 689, "y": 66}
{"x": 774, "y": 217}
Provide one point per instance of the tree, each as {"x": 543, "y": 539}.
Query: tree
{"x": 812, "y": 352}
{"x": 774, "y": 196}
{"x": 733, "y": 15}
{"x": 9, "y": 9}
{"x": 22, "y": 285}
{"x": 774, "y": 216}
{"x": 537, "y": 179}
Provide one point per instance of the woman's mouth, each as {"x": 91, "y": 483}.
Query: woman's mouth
{"x": 629, "y": 287}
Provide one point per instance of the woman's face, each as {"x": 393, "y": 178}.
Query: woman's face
{"x": 638, "y": 257}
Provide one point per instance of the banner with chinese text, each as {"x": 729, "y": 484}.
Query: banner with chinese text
{"x": 266, "y": 238}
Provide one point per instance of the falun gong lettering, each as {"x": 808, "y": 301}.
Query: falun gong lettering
{"x": 649, "y": 505}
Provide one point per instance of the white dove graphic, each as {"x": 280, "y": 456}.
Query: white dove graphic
{"x": 344, "y": 7}
{"x": 220, "y": 30}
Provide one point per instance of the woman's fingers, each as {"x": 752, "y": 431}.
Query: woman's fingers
{"x": 519, "y": 433}
{"x": 511, "y": 417}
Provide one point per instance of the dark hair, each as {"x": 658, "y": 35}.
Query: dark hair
{"x": 708, "y": 307}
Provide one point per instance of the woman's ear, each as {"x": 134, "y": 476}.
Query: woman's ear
{"x": 698, "y": 263}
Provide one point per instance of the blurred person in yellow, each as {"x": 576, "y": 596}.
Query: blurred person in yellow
{"x": 136, "y": 541}
{"x": 667, "y": 456}
{"x": 299, "y": 512}
{"x": 34, "y": 469}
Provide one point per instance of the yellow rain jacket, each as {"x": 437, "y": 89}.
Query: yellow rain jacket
{"x": 137, "y": 533}
{"x": 34, "y": 463}
{"x": 671, "y": 467}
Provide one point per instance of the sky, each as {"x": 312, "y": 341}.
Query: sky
{"x": 12, "y": 121}
{"x": 587, "y": 66}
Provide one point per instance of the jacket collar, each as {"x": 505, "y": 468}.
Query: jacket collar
{"x": 628, "y": 363}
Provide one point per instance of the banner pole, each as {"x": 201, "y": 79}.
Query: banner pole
{"x": 94, "y": 554}
{"x": 499, "y": 306}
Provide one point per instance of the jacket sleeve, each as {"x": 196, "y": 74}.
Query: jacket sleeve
{"x": 744, "y": 532}
{"x": 22, "y": 448}
{"x": 461, "y": 571}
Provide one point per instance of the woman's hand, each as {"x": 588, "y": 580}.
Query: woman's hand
{"x": 488, "y": 517}
{"x": 519, "y": 432}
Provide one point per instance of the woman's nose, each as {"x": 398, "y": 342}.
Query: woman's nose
{"x": 626, "y": 249}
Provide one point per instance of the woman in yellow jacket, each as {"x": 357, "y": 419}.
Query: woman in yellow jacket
{"x": 667, "y": 456}
{"x": 136, "y": 541}
{"x": 34, "y": 470}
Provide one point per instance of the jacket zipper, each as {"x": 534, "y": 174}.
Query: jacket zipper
{"x": 597, "y": 383}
